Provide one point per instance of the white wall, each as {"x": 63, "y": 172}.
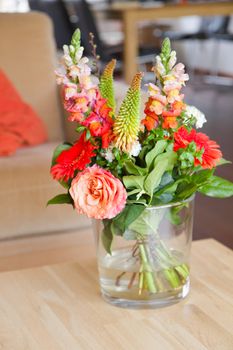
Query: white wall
{"x": 14, "y": 6}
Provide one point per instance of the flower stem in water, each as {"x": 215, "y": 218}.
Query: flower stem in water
{"x": 147, "y": 271}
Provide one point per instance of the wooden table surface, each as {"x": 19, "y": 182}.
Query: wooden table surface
{"x": 134, "y": 12}
{"x": 59, "y": 307}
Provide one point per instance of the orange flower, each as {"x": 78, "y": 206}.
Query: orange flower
{"x": 97, "y": 193}
{"x": 170, "y": 123}
{"x": 151, "y": 119}
{"x": 150, "y": 123}
{"x": 171, "y": 115}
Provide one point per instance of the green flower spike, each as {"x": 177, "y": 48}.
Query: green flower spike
{"x": 76, "y": 39}
{"x": 74, "y": 45}
{"x": 106, "y": 84}
{"x": 127, "y": 123}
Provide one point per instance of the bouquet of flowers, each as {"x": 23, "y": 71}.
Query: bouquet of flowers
{"x": 123, "y": 163}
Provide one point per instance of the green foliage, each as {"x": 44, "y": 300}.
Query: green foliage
{"x": 159, "y": 148}
{"x": 223, "y": 161}
{"x": 186, "y": 156}
{"x": 153, "y": 179}
{"x": 127, "y": 216}
{"x": 132, "y": 168}
{"x": 132, "y": 181}
{"x": 120, "y": 224}
{"x": 145, "y": 224}
{"x": 107, "y": 236}
{"x": 173, "y": 214}
{"x": 63, "y": 198}
{"x": 217, "y": 187}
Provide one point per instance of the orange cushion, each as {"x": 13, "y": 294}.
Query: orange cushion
{"x": 19, "y": 124}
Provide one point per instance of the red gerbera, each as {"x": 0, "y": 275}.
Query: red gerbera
{"x": 211, "y": 153}
{"x": 75, "y": 158}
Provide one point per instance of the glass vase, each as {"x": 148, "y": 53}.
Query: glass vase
{"x": 149, "y": 264}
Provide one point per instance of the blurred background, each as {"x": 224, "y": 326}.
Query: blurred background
{"x": 203, "y": 43}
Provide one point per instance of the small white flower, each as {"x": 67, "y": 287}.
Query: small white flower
{"x": 70, "y": 91}
{"x": 79, "y": 53}
{"x": 108, "y": 155}
{"x": 135, "y": 150}
{"x": 172, "y": 60}
{"x": 61, "y": 77}
{"x": 159, "y": 67}
{"x": 68, "y": 60}
{"x": 66, "y": 50}
{"x": 71, "y": 48}
{"x": 192, "y": 111}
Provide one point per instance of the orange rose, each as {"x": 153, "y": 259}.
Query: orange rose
{"x": 97, "y": 193}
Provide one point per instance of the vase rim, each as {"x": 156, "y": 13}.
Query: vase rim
{"x": 172, "y": 204}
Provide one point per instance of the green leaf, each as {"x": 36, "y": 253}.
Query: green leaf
{"x": 58, "y": 150}
{"x": 135, "y": 191}
{"x": 80, "y": 128}
{"x": 143, "y": 152}
{"x": 158, "y": 149}
{"x": 170, "y": 188}
{"x": 107, "y": 236}
{"x": 63, "y": 198}
{"x": 152, "y": 181}
{"x": 186, "y": 190}
{"x": 201, "y": 176}
{"x": 223, "y": 161}
{"x": 173, "y": 214}
{"x": 88, "y": 135}
{"x": 217, "y": 187}
{"x": 146, "y": 223}
{"x": 134, "y": 169}
{"x": 132, "y": 181}
{"x": 65, "y": 184}
{"x": 127, "y": 216}
{"x": 166, "y": 179}
{"x": 170, "y": 157}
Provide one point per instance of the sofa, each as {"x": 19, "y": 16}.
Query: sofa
{"x": 29, "y": 57}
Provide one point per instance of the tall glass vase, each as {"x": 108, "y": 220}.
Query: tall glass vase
{"x": 149, "y": 264}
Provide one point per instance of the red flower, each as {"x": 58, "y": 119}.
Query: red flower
{"x": 107, "y": 138}
{"x": 182, "y": 138}
{"x": 211, "y": 153}
{"x": 75, "y": 158}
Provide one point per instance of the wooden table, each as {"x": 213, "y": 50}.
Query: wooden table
{"x": 132, "y": 13}
{"x": 59, "y": 307}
